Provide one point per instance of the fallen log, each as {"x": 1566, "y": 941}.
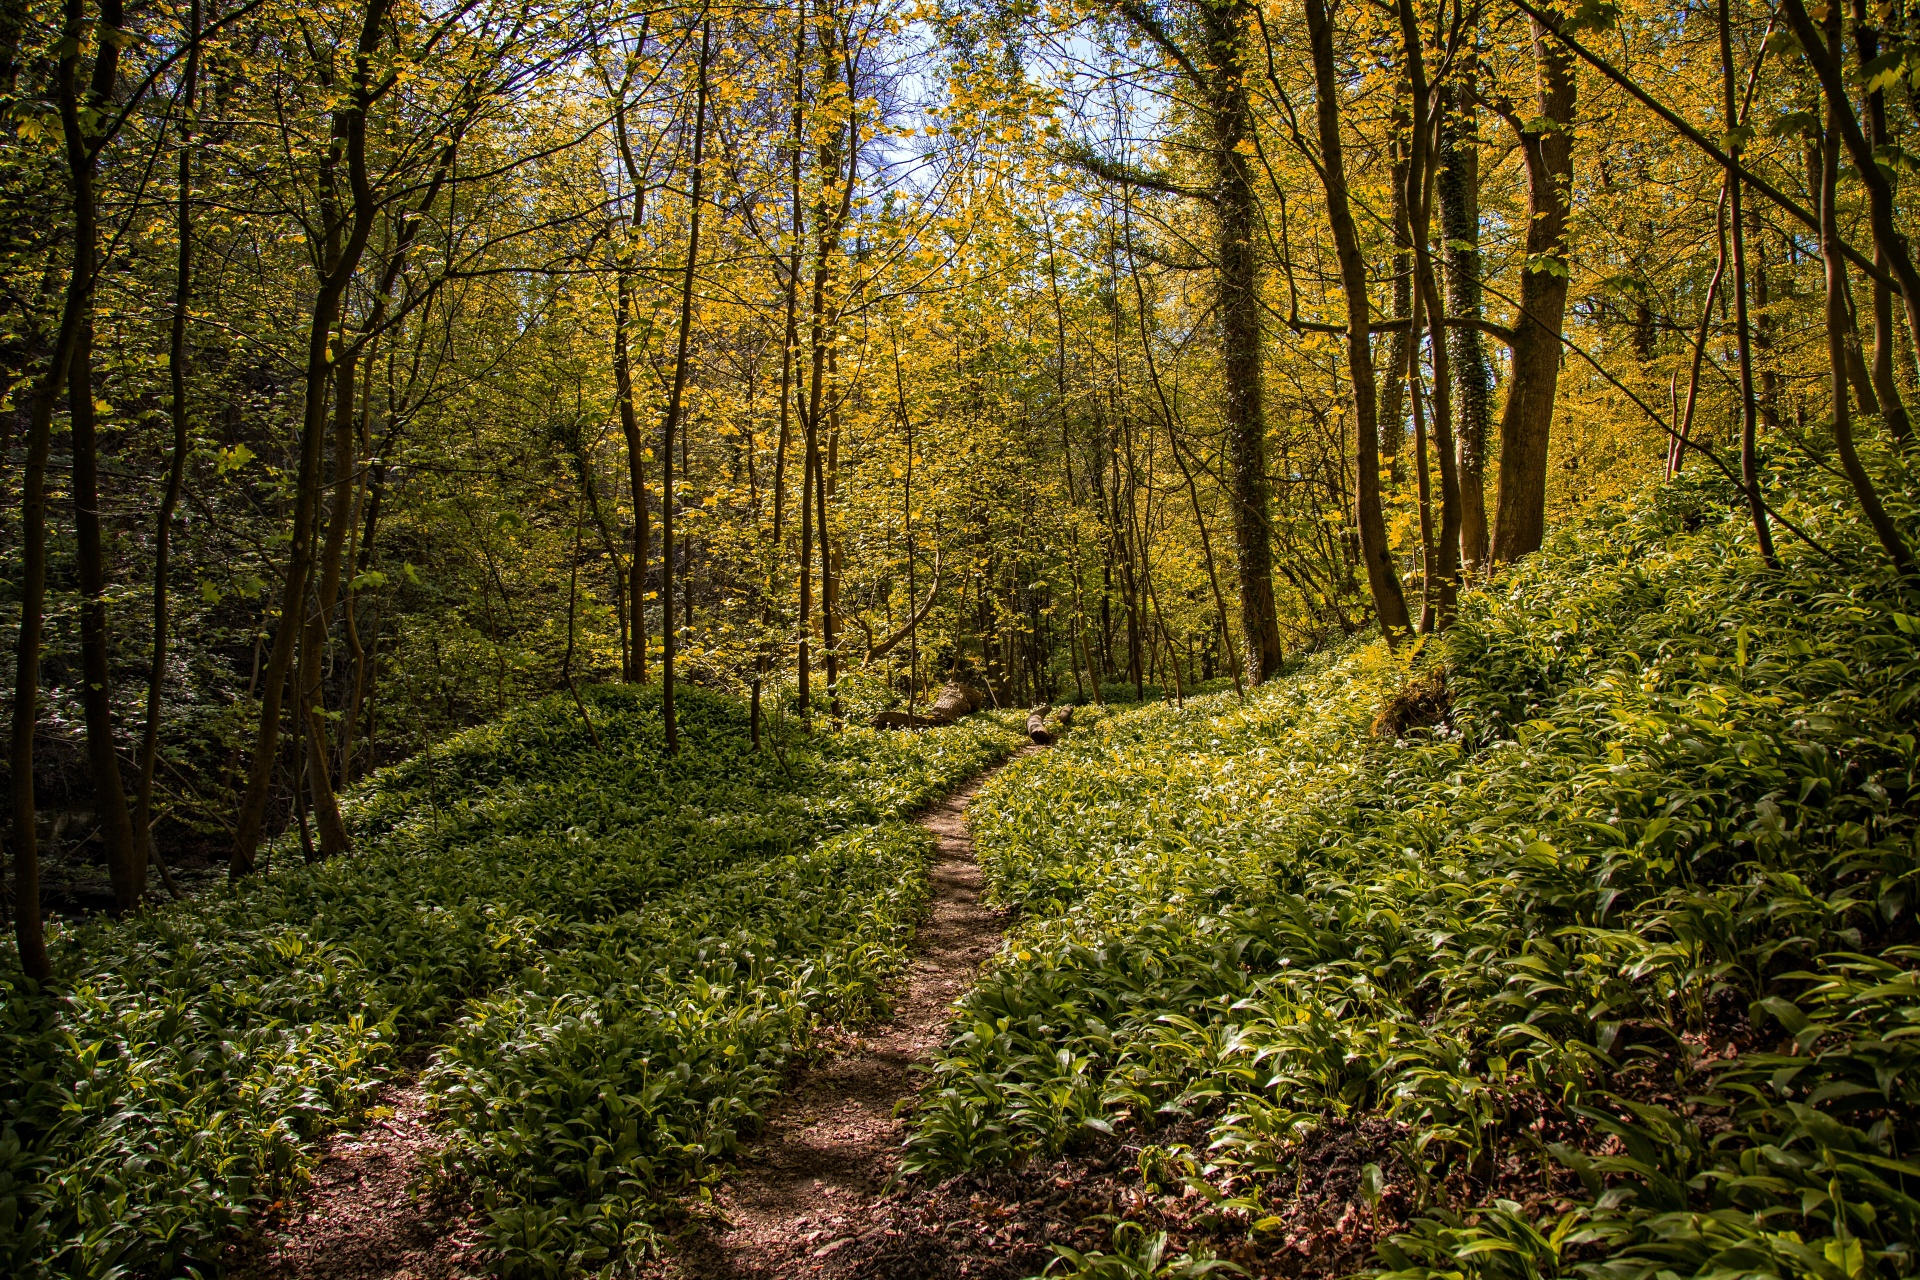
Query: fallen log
{"x": 1037, "y": 725}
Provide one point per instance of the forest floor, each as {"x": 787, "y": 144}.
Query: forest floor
{"x": 814, "y": 1185}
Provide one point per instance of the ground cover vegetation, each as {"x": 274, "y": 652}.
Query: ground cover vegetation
{"x": 1588, "y": 931}
{"x": 609, "y": 958}
{"x": 372, "y": 371}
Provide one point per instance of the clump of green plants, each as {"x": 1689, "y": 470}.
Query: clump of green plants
{"x": 1620, "y": 941}
{"x": 612, "y": 952}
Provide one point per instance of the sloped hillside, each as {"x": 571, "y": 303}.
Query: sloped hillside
{"x": 1580, "y": 939}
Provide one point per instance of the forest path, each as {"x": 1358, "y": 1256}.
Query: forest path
{"x": 803, "y": 1192}
{"x": 810, "y": 1186}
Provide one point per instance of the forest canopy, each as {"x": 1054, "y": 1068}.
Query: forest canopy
{"x": 373, "y": 368}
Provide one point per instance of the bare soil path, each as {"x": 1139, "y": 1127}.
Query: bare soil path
{"x": 806, "y": 1190}
{"x": 811, "y": 1187}
{"x": 359, "y": 1218}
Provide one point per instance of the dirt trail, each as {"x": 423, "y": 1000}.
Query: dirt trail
{"x": 809, "y": 1188}
{"x": 359, "y": 1218}
{"x": 803, "y": 1193}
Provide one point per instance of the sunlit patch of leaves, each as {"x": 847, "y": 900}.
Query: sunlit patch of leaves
{"x": 616, "y": 952}
{"x": 1652, "y": 876}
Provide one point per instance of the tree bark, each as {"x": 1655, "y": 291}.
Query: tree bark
{"x": 340, "y": 260}
{"x": 1526, "y": 422}
{"x": 1826, "y": 51}
{"x": 126, "y": 859}
{"x": 334, "y": 840}
{"x": 672, "y": 421}
{"x": 177, "y": 458}
{"x": 1429, "y": 109}
{"x": 1230, "y": 114}
{"x": 1749, "y": 409}
{"x": 636, "y": 660}
{"x": 1389, "y": 600}
{"x": 1839, "y": 320}
{"x": 1893, "y": 409}
{"x": 1459, "y": 198}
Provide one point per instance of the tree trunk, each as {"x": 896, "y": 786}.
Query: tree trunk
{"x": 1230, "y": 114}
{"x": 672, "y": 420}
{"x": 334, "y": 840}
{"x": 1429, "y": 109}
{"x": 1389, "y": 600}
{"x": 1839, "y": 320}
{"x": 1826, "y": 52}
{"x": 177, "y": 457}
{"x": 126, "y": 860}
{"x": 1749, "y": 410}
{"x": 340, "y": 260}
{"x": 29, "y": 928}
{"x": 1527, "y": 420}
{"x": 1459, "y": 192}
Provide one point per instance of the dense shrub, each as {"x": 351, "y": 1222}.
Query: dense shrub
{"x": 614, "y": 950}
{"x": 1640, "y": 907}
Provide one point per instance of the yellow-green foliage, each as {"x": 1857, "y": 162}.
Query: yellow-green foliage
{"x": 1673, "y": 800}
{"x": 616, "y": 951}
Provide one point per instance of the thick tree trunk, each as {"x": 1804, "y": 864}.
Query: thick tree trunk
{"x": 1527, "y": 420}
{"x": 1231, "y": 116}
{"x": 1389, "y": 600}
{"x": 126, "y": 860}
{"x": 1459, "y": 197}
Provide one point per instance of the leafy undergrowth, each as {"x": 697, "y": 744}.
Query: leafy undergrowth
{"x": 1611, "y": 970}
{"x": 615, "y": 953}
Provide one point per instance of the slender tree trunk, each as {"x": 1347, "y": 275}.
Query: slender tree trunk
{"x": 829, "y": 575}
{"x": 790, "y": 290}
{"x": 636, "y": 660}
{"x": 1527, "y": 420}
{"x": 1826, "y": 52}
{"x": 1749, "y": 409}
{"x": 337, "y": 272}
{"x": 636, "y": 663}
{"x": 1401, "y": 345}
{"x": 126, "y": 860}
{"x": 672, "y": 421}
{"x": 1389, "y": 600}
{"x": 1429, "y": 108}
{"x": 1839, "y": 319}
{"x": 1893, "y": 409}
{"x": 29, "y": 928}
{"x": 177, "y": 458}
{"x": 334, "y": 840}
